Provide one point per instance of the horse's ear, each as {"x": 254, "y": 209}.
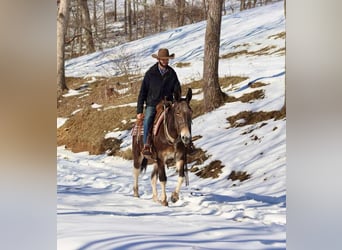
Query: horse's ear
{"x": 189, "y": 95}
{"x": 177, "y": 96}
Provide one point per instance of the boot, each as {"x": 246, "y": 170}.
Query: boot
{"x": 147, "y": 150}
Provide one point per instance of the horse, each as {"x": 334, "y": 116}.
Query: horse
{"x": 170, "y": 142}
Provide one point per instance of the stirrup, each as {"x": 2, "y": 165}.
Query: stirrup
{"x": 147, "y": 150}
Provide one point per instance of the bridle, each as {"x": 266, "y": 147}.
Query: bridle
{"x": 171, "y": 140}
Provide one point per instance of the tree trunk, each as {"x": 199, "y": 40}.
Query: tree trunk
{"x": 204, "y": 4}
{"x": 180, "y": 5}
{"x": 95, "y": 18}
{"x": 125, "y": 15}
{"x": 145, "y": 19}
{"x": 129, "y": 8}
{"x": 104, "y": 18}
{"x": 62, "y": 21}
{"x": 213, "y": 96}
{"x": 115, "y": 14}
{"x": 157, "y": 16}
{"x": 86, "y": 25}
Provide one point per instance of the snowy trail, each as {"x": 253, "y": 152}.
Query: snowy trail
{"x": 98, "y": 191}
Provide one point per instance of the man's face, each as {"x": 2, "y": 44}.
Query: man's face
{"x": 164, "y": 62}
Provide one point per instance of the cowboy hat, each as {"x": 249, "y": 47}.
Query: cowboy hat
{"x": 163, "y": 54}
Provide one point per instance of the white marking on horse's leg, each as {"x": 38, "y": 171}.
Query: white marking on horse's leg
{"x": 163, "y": 196}
{"x": 154, "y": 186}
{"x": 136, "y": 173}
{"x": 179, "y": 184}
{"x": 175, "y": 194}
{"x": 179, "y": 165}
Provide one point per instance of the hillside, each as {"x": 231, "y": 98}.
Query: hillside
{"x": 237, "y": 193}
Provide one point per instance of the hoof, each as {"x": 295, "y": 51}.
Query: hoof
{"x": 135, "y": 193}
{"x": 164, "y": 203}
{"x": 174, "y": 197}
{"x": 155, "y": 198}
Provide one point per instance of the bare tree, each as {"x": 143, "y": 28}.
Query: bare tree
{"x": 205, "y": 9}
{"x": 104, "y": 18}
{"x": 129, "y": 9}
{"x": 145, "y": 18}
{"x": 115, "y": 14}
{"x": 86, "y": 25}
{"x": 213, "y": 96}
{"x": 62, "y": 21}
{"x": 180, "y": 9}
{"x": 159, "y": 7}
{"x": 95, "y": 18}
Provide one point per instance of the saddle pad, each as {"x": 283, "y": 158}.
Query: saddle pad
{"x": 157, "y": 122}
{"x": 137, "y": 130}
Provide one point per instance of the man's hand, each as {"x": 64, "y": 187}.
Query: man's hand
{"x": 140, "y": 119}
{"x": 140, "y": 116}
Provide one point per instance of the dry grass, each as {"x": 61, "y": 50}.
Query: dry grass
{"x": 213, "y": 170}
{"x": 85, "y": 129}
{"x": 86, "y": 126}
{"x": 248, "y": 117}
{"x": 182, "y": 65}
{"x": 268, "y": 50}
{"x": 239, "y": 175}
{"x": 281, "y": 35}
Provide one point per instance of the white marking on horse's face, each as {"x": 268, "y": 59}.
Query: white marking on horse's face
{"x": 185, "y": 135}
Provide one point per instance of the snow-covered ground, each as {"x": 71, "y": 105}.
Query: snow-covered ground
{"x": 95, "y": 205}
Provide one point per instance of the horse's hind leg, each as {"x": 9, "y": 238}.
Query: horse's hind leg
{"x": 154, "y": 177}
{"x": 138, "y": 163}
{"x": 136, "y": 172}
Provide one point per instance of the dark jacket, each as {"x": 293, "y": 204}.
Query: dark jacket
{"x": 156, "y": 86}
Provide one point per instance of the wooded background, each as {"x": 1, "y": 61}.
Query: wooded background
{"x": 97, "y": 24}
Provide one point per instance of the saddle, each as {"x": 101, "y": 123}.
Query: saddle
{"x": 159, "y": 117}
{"x": 138, "y": 128}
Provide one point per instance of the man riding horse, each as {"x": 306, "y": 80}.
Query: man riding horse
{"x": 159, "y": 82}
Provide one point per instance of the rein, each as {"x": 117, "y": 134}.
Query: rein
{"x": 169, "y": 138}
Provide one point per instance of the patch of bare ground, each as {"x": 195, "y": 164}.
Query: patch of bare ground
{"x": 213, "y": 170}
{"x": 248, "y": 97}
{"x": 85, "y": 130}
{"x": 249, "y": 117}
{"x": 86, "y": 126}
{"x": 257, "y": 85}
{"x": 102, "y": 91}
{"x": 239, "y": 175}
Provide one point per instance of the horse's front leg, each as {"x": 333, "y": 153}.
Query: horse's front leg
{"x": 162, "y": 179}
{"x": 180, "y": 167}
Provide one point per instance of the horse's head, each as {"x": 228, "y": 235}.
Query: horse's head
{"x": 182, "y": 117}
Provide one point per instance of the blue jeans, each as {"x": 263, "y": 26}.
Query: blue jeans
{"x": 150, "y": 113}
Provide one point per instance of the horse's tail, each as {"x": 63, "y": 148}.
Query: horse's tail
{"x": 143, "y": 165}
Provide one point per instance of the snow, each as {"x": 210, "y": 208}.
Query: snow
{"x": 95, "y": 204}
